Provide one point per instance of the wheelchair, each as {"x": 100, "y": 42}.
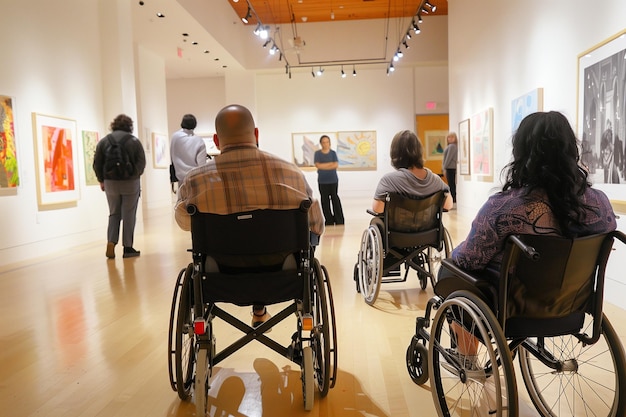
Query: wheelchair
{"x": 258, "y": 257}
{"x": 409, "y": 232}
{"x": 547, "y": 311}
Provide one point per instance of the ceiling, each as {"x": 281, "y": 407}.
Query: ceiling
{"x": 205, "y": 38}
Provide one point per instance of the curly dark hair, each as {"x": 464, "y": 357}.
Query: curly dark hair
{"x": 406, "y": 150}
{"x": 123, "y": 123}
{"x": 546, "y": 156}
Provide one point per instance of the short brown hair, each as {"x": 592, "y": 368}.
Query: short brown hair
{"x": 406, "y": 150}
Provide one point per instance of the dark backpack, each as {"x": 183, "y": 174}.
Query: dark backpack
{"x": 117, "y": 164}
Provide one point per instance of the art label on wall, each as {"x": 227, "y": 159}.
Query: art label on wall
{"x": 160, "y": 151}
{"x": 9, "y": 176}
{"x": 481, "y": 145}
{"x": 602, "y": 111}
{"x": 305, "y": 144}
{"x": 522, "y": 106}
{"x": 356, "y": 150}
{"x": 56, "y": 163}
{"x": 90, "y": 140}
{"x": 435, "y": 141}
{"x": 464, "y": 147}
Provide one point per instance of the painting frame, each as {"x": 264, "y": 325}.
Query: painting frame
{"x": 305, "y": 144}
{"x": 524, "y": 105}
{"x": 56, "y": 160}
{"x": 9, "y": 164}
{"x": 481, "y": 145}
{"x": 209, "y": 143}
{"x": 464, "y": 147}
{"x": 357, "y": 150}
{"x": 160, "y": 151}
{"x": 600, "y": 112}
{"x": 435, "y": 143}
{"x": 90, "y": 140}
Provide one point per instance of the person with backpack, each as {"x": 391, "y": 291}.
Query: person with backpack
{"x": 118, "y": 163}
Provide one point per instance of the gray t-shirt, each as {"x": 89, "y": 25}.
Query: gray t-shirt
{"x": 402, "y": 181}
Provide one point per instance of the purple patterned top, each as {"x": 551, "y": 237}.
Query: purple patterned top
{"x": 510, "y": 212}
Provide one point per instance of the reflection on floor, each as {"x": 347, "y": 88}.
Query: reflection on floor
{"x": 81, "y": 335}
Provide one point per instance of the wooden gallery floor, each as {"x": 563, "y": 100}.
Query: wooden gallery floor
{"x": 81, "y": 335}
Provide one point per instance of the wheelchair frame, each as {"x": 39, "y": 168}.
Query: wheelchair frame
{"x": 192, "y": 344}
{"x": 559, "y": 355}
{"x": 418, "y": 241}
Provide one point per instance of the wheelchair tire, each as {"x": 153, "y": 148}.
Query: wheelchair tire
{"x": 203, "y": 372}
{"x": 371, "y": 264}
{"x": 464, "y": 385}
{"x": 184, "y": 343}
{"x": 307, "y": 376}
{"x": 320, "y": 335}
{"x": 586, "y": 377}
{"x": 417, "y": 361}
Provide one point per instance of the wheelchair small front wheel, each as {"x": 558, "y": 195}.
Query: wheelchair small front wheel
{"x": 417, "y": 361}
{"x": 308, "y": 378}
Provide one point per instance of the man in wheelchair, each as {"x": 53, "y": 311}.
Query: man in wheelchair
{"x": 244, "y": 178}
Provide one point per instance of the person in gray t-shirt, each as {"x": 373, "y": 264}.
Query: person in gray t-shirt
{"x": 410, "y": 177}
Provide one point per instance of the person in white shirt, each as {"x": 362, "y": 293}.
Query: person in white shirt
{"x": 186, "y": 149}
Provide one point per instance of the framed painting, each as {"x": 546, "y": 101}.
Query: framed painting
{"x": 356, "y": 150}
{"x": 305, "y": 144}
{"x": 160, "y": 151}
{"x": 211, "y": 148}
{"x": 9, "y": 175}
{"x": 481, "y": 145}
{"x": 464, "y": 147}
{"x": 56, "y": 159}
{"x": 435, "y": 141}
{"x": 522, "y": 106}
{"x": 90, "y": 140}
{"x": 601, "y": 114}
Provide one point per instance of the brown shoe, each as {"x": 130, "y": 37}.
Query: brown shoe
{"x": 110, "y": 250}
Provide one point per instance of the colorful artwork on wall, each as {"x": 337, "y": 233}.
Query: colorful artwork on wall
{"x": 356, "y": 150}
{"x": 90, "y": 140}
{"x": 481, "y": 149}
{"x": 9, "y": 175}
{"x": 55, "y": 144}
{"x": 305, "y": 144}
{"x": 160, "y": 151}
{"x": 435, "y": 143}
{"x": 522, "y": 106}
{"x": 464, "y": 147}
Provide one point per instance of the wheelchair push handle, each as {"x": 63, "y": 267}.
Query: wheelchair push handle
{"x": 528, "y": 250}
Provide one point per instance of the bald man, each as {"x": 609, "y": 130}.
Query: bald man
{"x": 243, "y": 178}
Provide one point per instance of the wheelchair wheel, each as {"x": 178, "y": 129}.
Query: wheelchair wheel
{"x": 470, "y": 385}
{"x": 181, "y": 330}
{"x": 308, "y": 380}
{"x": 417, "y": 361}
{"x": 203, "y": 372}
{"x": 324, "y": 334}
{"x": 588, "y": 379}
{"x": 435, "y": 256}
{"x": 370, "y": 264}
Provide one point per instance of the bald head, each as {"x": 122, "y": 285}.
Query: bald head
{"x": 234, "y": 125}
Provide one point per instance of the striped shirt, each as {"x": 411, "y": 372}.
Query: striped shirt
{"x": 244, "y": 178}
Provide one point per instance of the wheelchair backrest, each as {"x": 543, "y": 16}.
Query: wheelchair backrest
{"x": 565, "y": 279}
{"x": 253, "y": 233}
{"x": 413, "y": 214}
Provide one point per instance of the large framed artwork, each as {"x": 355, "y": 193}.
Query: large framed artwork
{"x": 90, "y": 140}
{"x": 524, "y": 105}
{"x": 435, "y": 141}
{"x": 160, "y": 151}
{"x": 209, "y": 142}
{"x": 601, "y": 118}
{"x": 464, "y": 147}
{"x": 9, "y": 175}
{"x": 481, "y": 145}
{"x": 56, "y": 159}
{"x": 356, "y": 150}
{"x": 305, "y": 144}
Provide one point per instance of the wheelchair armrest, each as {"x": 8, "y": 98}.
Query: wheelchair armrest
{"x": 463, "y": 274}
{"x": 373, "y": 213}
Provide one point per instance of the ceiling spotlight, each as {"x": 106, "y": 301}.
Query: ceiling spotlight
{"x": 391, "y": 68}
{"x": 416, "y": 28}
{"x": 247, "y": 17}
{"x": 399, "y": 53}
{"x": 353, "y": 71}
{"x": 280, "y": 56}
{"x": 264, "y": 32}
{"x": 432, "y": 8}
{"x": 408, "y": 35}
{"x": 267, "y": 42}
{"x": 273, "y": 49}
{"x": 312, "y": 72}
{"x": 257, "y": 29}
{"x": 320, "y": 72}
{"x": 406, "y": 45}
{"x": 343, "y": 74}
{"x": 160, "y": 15}
{"x": 424, "y": 10}
{"x": 419, "y": 18}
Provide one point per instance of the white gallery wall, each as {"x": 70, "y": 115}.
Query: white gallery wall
{"x": 501, "y": 50}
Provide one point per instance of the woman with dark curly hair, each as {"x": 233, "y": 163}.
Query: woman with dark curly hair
{"x": 410, "y": 177}
{"x": 118, "y": 163}
{"x": 546, "y": 192}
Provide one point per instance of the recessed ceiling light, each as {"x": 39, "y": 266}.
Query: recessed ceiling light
{"x": 161, "y": 15}
{"x": 194, "y": 43}
{"x": 216, "y": 59}
{"x": 206, "y": 51}
{"x": 185, "y": 34}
